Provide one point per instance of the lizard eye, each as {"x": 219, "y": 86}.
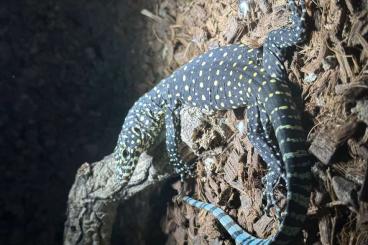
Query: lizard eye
{"x": 125, "y": 153}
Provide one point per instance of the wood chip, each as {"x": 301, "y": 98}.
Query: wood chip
{"x": 325, "y": 144}
{"x": 263, "y": 227}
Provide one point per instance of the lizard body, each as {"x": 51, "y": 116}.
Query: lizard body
{"x": 227, "y": 78}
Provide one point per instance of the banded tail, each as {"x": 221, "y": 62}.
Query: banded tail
{"x": 235, "y": 231}
{"x": 291, "y": 138}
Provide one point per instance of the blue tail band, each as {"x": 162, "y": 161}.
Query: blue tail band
{"x": 236, "y": 232}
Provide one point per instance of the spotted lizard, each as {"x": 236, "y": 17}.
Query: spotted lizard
{"x": 226, "y": 78}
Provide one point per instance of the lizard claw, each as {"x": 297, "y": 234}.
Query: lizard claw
{"x": 185, "y": 170}
{"x": 270, "y": 181}
{"x": 179, "y": 197}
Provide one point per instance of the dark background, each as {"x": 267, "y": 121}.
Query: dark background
{"x": 68, "y": 73}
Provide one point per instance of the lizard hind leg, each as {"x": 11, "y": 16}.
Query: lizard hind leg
{"x": 260, "y": 137}
{"x": 272, "y": 142}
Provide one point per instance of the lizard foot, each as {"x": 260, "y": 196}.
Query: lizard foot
{"x": 185, "y": 170}
{"x": 270, "y": 181}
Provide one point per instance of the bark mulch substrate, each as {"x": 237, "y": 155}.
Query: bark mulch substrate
{"x": 330, "y": 70}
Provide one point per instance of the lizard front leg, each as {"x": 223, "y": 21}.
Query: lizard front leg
{"x": 173, "y": 129}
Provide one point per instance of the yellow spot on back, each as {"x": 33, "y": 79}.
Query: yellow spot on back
{"x": 189, "y": 98}
{"x": 234, "y": 64}
{"x": 186, "y": 87}
{"x": 225, "y": 54}
{"x": 250, "y": 50}
{"x": 218, "y": 72}
{"x": 184, "y": 77}
{"x": 203, "y": 63}
{"x": 217, "y": 97}
{"x": 221, "y": 62}
{"x": 215, "y": 83}
{"x": 241, "y": 76}
{"x": 255, "y": 74}
{"x": 250, "y": 62}
{"x": 203, "y": 97}
{"x": 239, "y": 57}
{"x": 245, "y": 68}
{"x": 250, "y": 81}
{"x": 200, "y": 73}
{"x": 201, "y": 85}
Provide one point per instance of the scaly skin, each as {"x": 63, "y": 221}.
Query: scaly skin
{"x": 227, "y": 78}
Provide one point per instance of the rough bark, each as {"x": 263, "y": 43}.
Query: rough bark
{"x": 95, "y": 196}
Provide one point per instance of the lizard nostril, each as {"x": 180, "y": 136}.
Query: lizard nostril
{"x": 136, "y": 130}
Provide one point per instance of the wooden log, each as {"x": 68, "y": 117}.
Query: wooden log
{"x": 96, "y": 194}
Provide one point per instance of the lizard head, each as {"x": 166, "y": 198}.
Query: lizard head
{"x": 126, "y": 159}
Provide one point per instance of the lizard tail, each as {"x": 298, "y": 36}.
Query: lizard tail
{"x": 291, "y": 139}
{"x": 235, "y": 231}
{"x": 286, "y": 122}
